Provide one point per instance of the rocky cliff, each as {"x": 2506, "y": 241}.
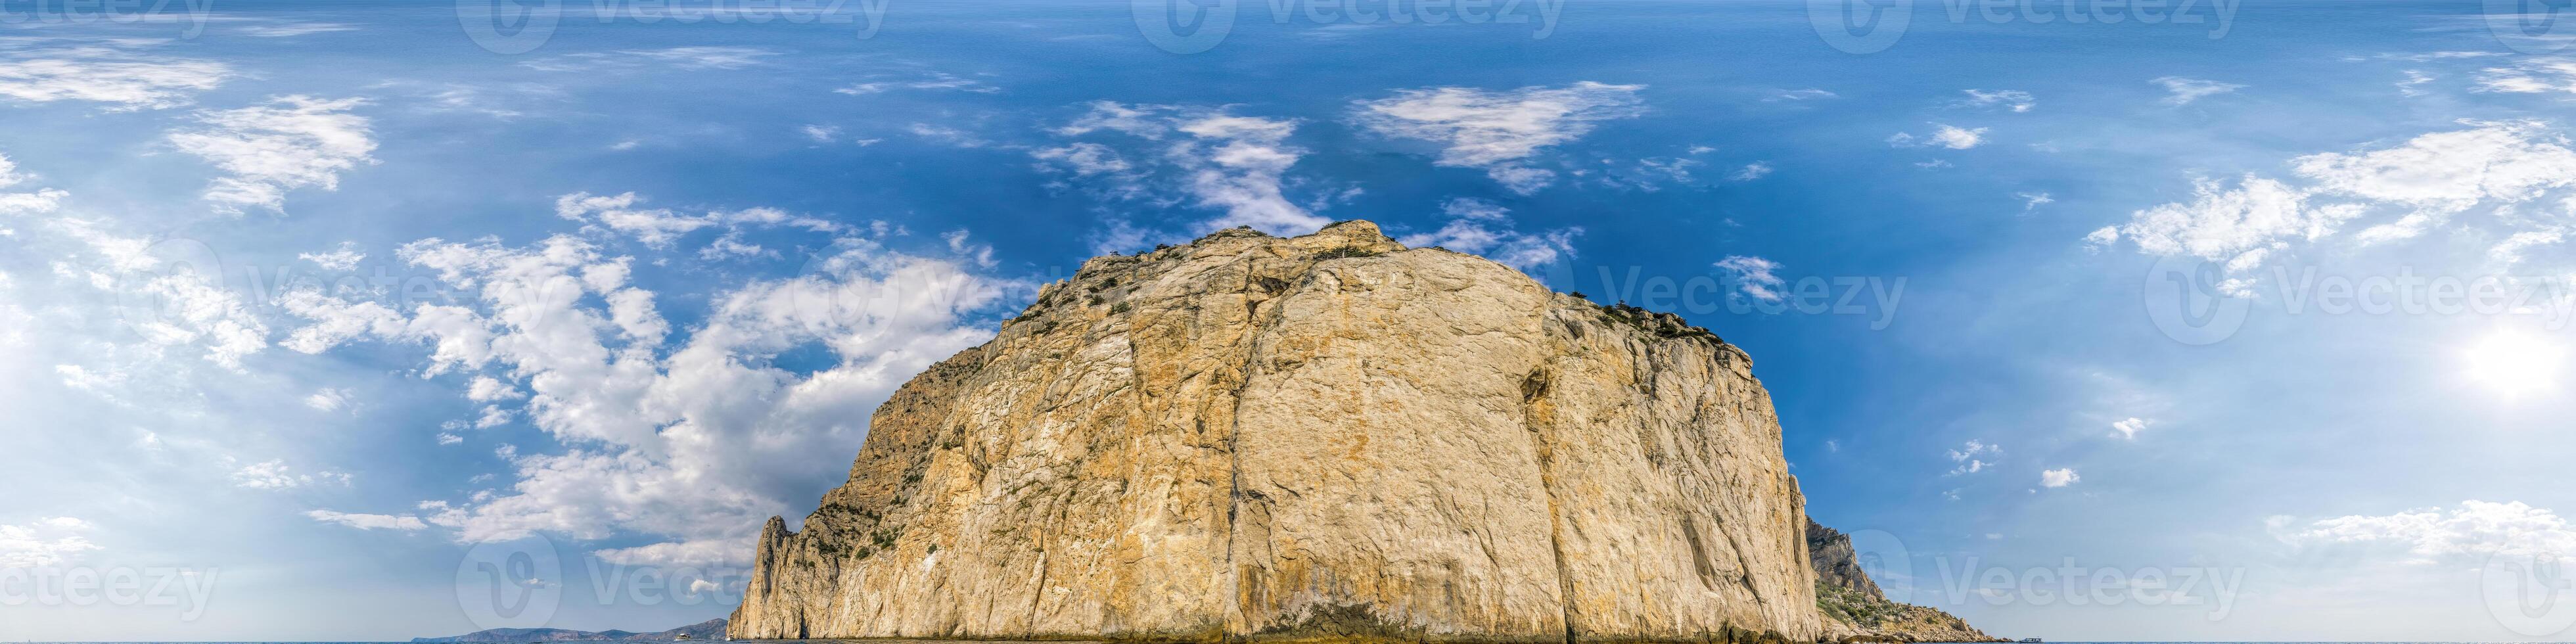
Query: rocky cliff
{"x": 710, "y": 629}
{"x": 1321, "y": 437}
{"x": 1837, "y": 566}
{"x": 1855, "y": 611}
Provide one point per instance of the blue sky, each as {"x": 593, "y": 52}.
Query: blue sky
{"x": 611, "y": 292}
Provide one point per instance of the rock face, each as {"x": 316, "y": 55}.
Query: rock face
{"x": 1837, "y": 566}
{"x": 1320, "y": 437}
{"x": 710, "y": 629}
{"x": 1855, "y": 611}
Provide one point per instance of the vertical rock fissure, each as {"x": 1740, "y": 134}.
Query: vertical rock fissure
{"x": 1532, "y": 411}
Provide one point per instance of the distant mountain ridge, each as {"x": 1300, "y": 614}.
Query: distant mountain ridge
{"x": 712, "y": 629}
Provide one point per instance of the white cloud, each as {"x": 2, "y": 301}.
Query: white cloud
{"x": 2130, "y": 427}
{"x": 2425, "y": 180}
{"x": 1971, "y": 457}
{"x": 346, "y": 258}
{"x": 822, "y": 133}
{"x": 2033, "y": 200}
{"x": 699, "y": 439}
{"x": 1754, "y": 276}
{"x": 1800, "y": 95}
{"x": 449, "y": 439}
{"x": 291, "y": 142}
{"x": 2554, "y": 74}
{"x": 1499, "y": 132}
{"x": 275, "y": 475}
{"x": 328, "y": 399}
{"x": 2430, "y": 535}
{"x": 2016, "y": 100}
{"x": 653, "y": 227}
{"x": 2182, "y": 91}
{"x": 1214, "y": 159}
{"x": 2060, "y": 477}
{"x": 293, "y": 29}
{"x": 932, "y": 81}
{"x": 46, "y": 542}
{"x": 699, "y": 554}
{"x": 369, "y": 521}
{"x": 102, "y": 75}
{"x": 1483, "y": 228}
{"x": 1943, "y": 135}
{"x": 1751, "y": 171}
{"x": 682, "y": 58}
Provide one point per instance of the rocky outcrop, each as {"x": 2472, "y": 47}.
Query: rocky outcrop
{"x": 1855, "y": 611}
{"x": 1836, "y": 565}
{"x": 1321, "y": 437}
{"x": 710, "y": 629}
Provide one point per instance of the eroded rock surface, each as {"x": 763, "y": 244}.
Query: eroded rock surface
{"x": 1327, "y": 436}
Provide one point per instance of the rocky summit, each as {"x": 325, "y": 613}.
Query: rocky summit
{"x": 1325, "y": 437}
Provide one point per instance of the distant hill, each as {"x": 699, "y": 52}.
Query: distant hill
{"x": 712, "y": 629}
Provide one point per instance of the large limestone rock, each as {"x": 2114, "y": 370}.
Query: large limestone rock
{"x": 1324, "y": 437}
{"x": 1837, "y": 565}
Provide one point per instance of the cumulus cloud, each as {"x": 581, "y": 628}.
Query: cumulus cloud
{"x": 1971, "y": 457}
{"x": 2550, "y": 74}
{"x": 2182, "y": 91}
{"x": 697, "y": 440}
{"x": 346, "y": 258}
{"x": 1498, "y": 131}
{"x": 290, "y": 142}
{"x": 2414, "y": 187}
{"x": 2432, "y": 535}
{"x": 46, "y": 542}
{"x": 2129, "y": 427}
{"x": 369, "y": 521}
{"x": 654, "y": 227}
{"x": 2060, "y": 477}
{"x": 1755, "y": 277}
{"x": 1943, "y": 136}
{"x": 1751, "y": 171}
{"x": 124, "y": 81}
{"x": 702, "y": 58}
{"x": 1209, "y": 157}
{"x": 2016, "y": 100}
{"x": 328, "y": 399}
{"x": 1481, "y": 227}
{"x": 275, "y": 475}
